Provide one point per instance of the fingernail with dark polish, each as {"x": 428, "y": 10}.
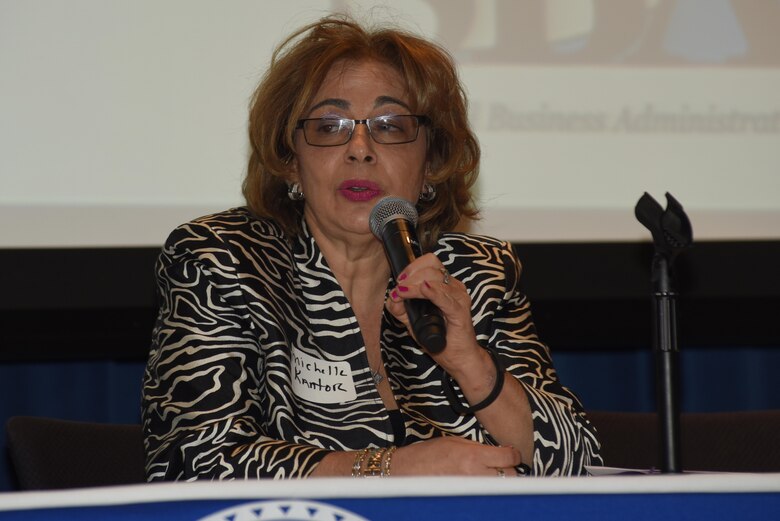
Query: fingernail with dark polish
{"x": 403, "y": 288}
{"x": 402, "y": 277}
{"x": 394, "y": 294}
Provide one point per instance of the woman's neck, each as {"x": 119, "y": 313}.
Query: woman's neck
{"x": 359, "y": 264}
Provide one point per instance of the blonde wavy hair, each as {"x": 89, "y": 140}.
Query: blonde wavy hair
{"x": 298, "y": 68}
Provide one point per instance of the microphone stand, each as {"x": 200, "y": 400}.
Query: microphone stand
{"x": 672, "y": 233}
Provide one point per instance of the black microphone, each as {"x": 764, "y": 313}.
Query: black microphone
{"x": 392, "y": 221}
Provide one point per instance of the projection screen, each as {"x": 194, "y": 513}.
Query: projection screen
{"x": 121, "y": 119}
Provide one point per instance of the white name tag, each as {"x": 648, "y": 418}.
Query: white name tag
{"x": 320, "y": 381}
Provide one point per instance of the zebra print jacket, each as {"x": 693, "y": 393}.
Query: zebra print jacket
{"x": 258, "y": 369}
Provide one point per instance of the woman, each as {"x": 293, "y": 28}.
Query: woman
{"x": 282, "y": 347}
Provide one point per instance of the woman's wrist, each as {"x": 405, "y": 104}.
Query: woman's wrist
{"x": 476, "y": 377}
{"x": 481, "y": 387}
{"x": 469, "y": 368}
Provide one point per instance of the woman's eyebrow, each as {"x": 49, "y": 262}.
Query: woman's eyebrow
{"x": 335, "y": 102}
{"x": 344, "y": 104}
{"x": 389, "y": 100}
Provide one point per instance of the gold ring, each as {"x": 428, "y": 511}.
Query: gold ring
{"x": 501, "y": 473}
{"x": 446, "y": 275}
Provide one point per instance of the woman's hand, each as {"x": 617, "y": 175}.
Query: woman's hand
{"x": 452, "y": 455}
{"x": 444, "y": 456}
{"x": 508, "y": 417}
{"x": 426, "y": 278}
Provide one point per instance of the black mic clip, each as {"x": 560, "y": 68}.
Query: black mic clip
{"x": 671, "y": 228}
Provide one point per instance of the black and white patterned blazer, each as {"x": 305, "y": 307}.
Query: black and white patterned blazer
{"x": 258, "y": 368}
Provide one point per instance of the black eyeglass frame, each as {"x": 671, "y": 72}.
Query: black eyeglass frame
{"x": 421, "y": 121}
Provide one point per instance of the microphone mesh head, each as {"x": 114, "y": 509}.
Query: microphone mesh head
{"x": 388, "y": 209}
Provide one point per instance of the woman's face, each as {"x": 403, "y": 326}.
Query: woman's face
{"x": 343, "y": 183}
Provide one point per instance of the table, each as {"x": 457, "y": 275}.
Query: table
{"x": 667, "y": 497}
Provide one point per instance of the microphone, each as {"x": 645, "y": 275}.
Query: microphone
{"x": 392, "y": 221}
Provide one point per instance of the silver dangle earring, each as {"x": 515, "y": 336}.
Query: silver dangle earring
{"x": 428, "y": 193}
{"x": 294, "y": 192}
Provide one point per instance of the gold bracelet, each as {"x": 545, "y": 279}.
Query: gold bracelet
{"x": 374, "y": 463}
{"x": 358, "y": 464}
{"x": 386, "y": 461}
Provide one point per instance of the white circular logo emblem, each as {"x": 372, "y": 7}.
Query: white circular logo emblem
{"x": 290, "y": 510}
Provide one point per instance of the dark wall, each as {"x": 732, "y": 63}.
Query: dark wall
{"x": 75, "y": 304}
{"x": 599, "y": 295}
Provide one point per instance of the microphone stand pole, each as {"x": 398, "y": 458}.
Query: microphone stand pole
{"x": 672, "y": 233}
{"x": 666, "y": 357}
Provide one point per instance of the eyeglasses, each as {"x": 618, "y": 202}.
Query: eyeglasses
{"x": 385, "y": 130}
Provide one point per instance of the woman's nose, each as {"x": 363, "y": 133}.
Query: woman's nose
{"x": 361, "y": 146}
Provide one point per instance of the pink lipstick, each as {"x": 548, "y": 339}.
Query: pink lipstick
{"x": 359, "y": 190}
